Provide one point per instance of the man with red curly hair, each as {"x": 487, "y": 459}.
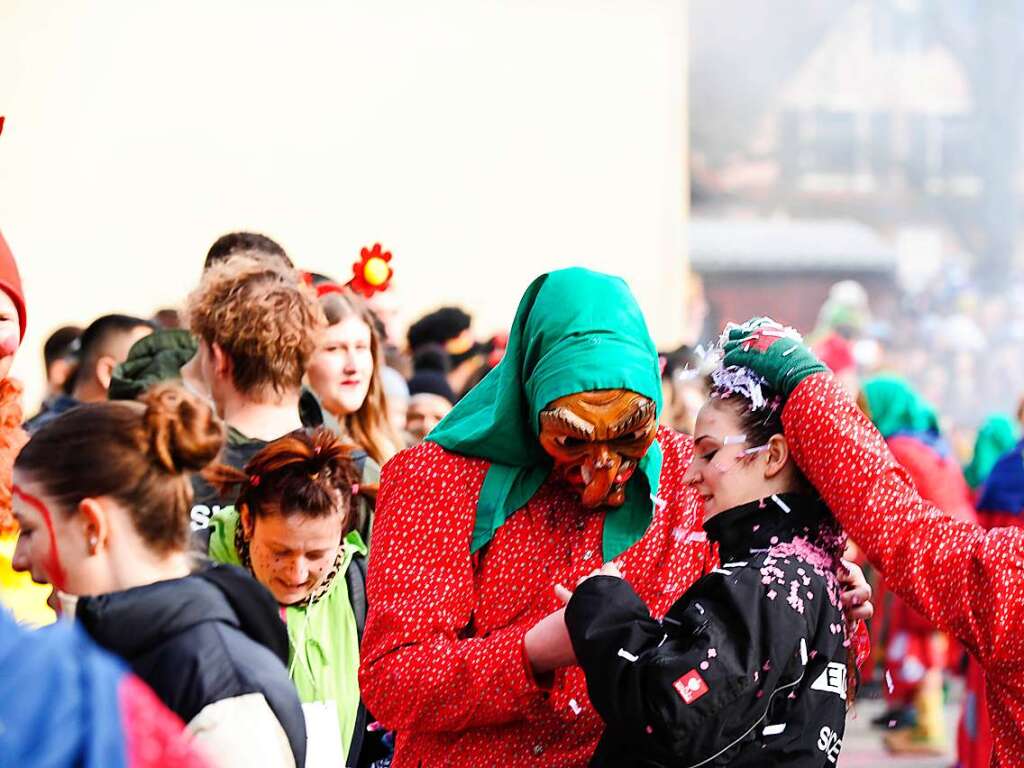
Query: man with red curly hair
{"x": 256, "y": 323}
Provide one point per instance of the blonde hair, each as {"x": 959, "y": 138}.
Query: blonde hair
{"x": 369, "y": 426}
{"x": 262, "y": 316}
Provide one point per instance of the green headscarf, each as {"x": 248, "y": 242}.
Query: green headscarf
{"x": 895, "y": 407}
{"x": 997, "y": 436}
{"x": 575, "y": 331}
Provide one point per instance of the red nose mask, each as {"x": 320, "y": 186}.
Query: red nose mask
{"x": 597, "y": 439}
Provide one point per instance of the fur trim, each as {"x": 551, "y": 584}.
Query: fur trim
{"x": 12, "y": 439}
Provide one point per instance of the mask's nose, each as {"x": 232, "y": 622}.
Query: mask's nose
{"x": 599, "y": 471}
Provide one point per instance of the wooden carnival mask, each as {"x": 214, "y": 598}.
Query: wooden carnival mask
{"x": 596, "y": 439}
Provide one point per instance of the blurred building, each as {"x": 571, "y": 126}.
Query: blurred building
{"x": 785, "y": 268}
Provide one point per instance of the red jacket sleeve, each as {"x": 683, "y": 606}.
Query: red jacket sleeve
{"x": 419, "y": 669}
{"x": 968, "y": 581}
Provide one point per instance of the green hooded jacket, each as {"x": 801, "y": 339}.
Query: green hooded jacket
{"x": 575, "y": 331}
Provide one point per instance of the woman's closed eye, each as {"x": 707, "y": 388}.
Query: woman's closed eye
{"x": 709, "y": 455}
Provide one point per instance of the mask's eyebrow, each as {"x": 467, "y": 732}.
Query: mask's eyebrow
{"x": 643, "y": 413}
{"x": 565, "y": 418}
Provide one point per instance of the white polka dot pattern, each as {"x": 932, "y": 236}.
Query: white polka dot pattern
{"x": 442, "y": 657}
{"x": 967, "y": 580}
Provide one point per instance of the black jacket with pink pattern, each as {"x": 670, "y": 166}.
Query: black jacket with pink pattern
{"x": 748, "y": 668}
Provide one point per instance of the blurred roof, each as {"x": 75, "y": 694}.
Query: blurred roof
{"x": 761, "y": 245}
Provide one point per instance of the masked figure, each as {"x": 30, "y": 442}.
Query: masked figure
{"x": 551, "y": 466}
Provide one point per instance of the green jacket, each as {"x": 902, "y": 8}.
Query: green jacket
{"x": 323, "y": 636}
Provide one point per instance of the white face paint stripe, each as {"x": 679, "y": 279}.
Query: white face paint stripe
{"x": 734, "y": 439}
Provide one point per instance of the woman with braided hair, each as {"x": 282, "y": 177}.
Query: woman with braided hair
{"x": 293, "y": 528}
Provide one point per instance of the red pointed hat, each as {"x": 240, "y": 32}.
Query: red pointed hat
{"x": 10, "y": 282}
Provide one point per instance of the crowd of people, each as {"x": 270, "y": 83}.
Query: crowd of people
{"x": 282, "y": 536}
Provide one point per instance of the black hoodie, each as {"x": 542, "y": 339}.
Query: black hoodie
{"x": 748, "y": 668}
{"x": 213, "y": 636}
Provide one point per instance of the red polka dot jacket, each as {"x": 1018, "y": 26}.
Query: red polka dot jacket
{"x": 442, "y": 655}
{"x": 967, "y": 580}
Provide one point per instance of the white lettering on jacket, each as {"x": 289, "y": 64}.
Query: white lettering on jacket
{"x": 832, "y": 680}
{"x": 829, "y": 743}
{"x": 201, "y": 516}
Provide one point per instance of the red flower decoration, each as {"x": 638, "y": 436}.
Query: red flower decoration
{"x": 372, "y": 273}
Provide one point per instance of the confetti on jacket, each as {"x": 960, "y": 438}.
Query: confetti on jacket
{"x": 467, "y": 697}
{"x": 967, "y": 580}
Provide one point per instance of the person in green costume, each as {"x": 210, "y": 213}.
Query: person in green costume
{"x": 551, "y": 466}
{"x": 293, "y": 528}
{"x": 997, "y": 436}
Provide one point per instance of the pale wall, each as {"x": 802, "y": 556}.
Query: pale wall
{"x": 482, "y": 142}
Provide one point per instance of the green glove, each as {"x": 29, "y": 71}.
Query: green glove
{"x": 772, "y": 350}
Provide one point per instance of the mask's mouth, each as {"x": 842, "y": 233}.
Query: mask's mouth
{"x": 604, "y": 480}
{"x": 601, "y": 482}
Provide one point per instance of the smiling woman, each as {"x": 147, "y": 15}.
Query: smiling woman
{"x": 345, "y": 374}
{"x": 293, "y": 527}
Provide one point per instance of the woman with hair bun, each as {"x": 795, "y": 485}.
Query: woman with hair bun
{"x": 102, "y": 494}
{"x": 293, "y": 528}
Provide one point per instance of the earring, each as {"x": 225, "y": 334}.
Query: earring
{"x": 93, "y": 545}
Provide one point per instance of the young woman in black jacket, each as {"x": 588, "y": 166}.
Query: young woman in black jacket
{"x": 102, "y": 495}
{"x": 753, "y": 665}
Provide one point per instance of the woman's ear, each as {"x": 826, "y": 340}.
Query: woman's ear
{"x": 246, "y": 521}
{"x": 777, "y": 454}
{"x": 95, "y": 524}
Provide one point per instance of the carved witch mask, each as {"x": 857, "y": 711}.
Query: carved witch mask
{"x": 597, "y": 439}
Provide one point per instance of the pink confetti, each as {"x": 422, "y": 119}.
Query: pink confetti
{"x": 704, "y": 665}
{"x": 712, "y": 653}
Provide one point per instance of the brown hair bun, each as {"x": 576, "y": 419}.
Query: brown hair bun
{"x": 181, "y": 431}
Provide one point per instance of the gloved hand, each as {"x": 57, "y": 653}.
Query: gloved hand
{"x": 772, "y": 350}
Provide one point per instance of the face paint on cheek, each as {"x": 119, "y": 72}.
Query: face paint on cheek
{"x": 9, "y": 343}
{"x": 54, "y": 570}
